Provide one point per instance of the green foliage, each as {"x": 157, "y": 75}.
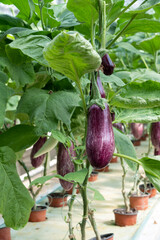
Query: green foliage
{"x": 7, "y": 22}
{"x": 145, "y": 115}
{"x": 47, "y": 146}
{"x": 138, "y": 94}
{"x": 72, "y": 55}
{"x": 19, "y": 137}
{"x": 5, "y": 93}
{"x": 150, "y": 45}
{"x": 45, "y": 109}
{"x": 85, "y": 11}
{"x": 32, "y": 46}
{"x": 125, "y": 146}
{"x": 15, "y": 201}
{"x": 145, "y": 6}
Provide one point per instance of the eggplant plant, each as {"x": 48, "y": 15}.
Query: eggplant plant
{"x": 50, "y": 54}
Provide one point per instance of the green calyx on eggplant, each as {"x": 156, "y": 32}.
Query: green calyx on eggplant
{"x": 107, "y": 65}
{"x": 36, "y": 162}
{"x": 137, "y": 130}
{"x": 155, "y": 134}
{"x": 100, "y": 143}
{"x": 65, "y": 164}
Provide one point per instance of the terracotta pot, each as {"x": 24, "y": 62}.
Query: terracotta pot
{"x": 5, "y": 233}
{"x": 57, "y": 199}
{"x": 136, "y": 142}
{"x": 108, "y": 236}
{"x": 38, "y": 215}
{"x": 114, "y": 159}
{"x": 93, "y": 177}
{"x": 150, "y": 189}
{"x": 123, "y": 218}
{"x": 70, "y": 191}
{"x": 139, "y": 202}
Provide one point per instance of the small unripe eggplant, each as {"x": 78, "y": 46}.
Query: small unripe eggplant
{"x": 65, "y": 164}
{"x": 107, "y": 65}
{"x": 117, "y": 125}
{"x": 100, "y": 143}
{"x": 100, "y": 86}
{"x": 156, "y": 152}
{"x": 36, "y": 162}
{"x": 155, "y": 134}
{"x": 137, "y": 130}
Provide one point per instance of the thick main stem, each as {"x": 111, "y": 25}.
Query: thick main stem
{"x": 93, "y": 223}
{"x": 123, "y": 186}
{"x": 71, "y": 234}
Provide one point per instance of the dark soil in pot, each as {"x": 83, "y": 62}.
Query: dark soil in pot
{"x": 5, "y": 233}
{"x": 57, "y": 199}
{"x": 124, "y": 218}
{"x": 38, "y": 214}
{"x": 108, "y": 236}
{"x": 150, "y": 189}
{"x": 139, "y": 202}
{"x": 93, "y": 177}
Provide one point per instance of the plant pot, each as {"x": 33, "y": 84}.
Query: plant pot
{"x": 70, "y": 191}
{"x": 38, "y": 214}
{"x": 136, "y": 142}
{"x": 124, "y": 218}
{"x": 93, "y": 177}
{"x": 57, "y": 199}
{"x": 150, "y": 189}
{"x": 139, "y": 202}
{"x": 114, "y": 159}
{"x": 108, "y": 236}
{"x": 5, "y": 233}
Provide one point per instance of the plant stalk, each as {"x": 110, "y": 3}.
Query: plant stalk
{"x": 124, "y": 10}
{"x": 103, "y": 34}
{"x": 128, "y": 157}
{"x": 123, "y": 185}
{"x": 121, "y": 32}
{"x": 70, "y": 221}
{"x": 93, "y": 223}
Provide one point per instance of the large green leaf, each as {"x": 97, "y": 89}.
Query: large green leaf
{"x": 5, "y": 94}
{"x": 47, "y": 146}
{"x": 32, "y": 46}
{"x": 78, "y": 177}
{"x": 128, "y": 47}
{"x": 15, "y": 200}
{"x": 84, "y": 11}
{"x": 150, "y": 45}
{"x": 138, "y": 94}
{"x": 145, "y": 7}
{"x": 72, "y": 55}
{"x": 141, "y": 25}
{"x": 145, "y": 115}
{"x": 151, "y": 165}
{"x": 125, "y": 146}
{"x": 111, "y": 79}
{"x": 7, "y": 22}
{"x": 18, "y": 137}
{"x": 64, "y": 16}
{"x": 45, "y": 109}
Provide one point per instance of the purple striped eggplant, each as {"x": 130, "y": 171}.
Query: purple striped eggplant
{"x": 137, "y": 130}
{"x": 36, "y": 162}
{"x": 155, "y": 134}
{"x": 107, "y": 65}
{"x": 100, "y": 143}
{"x": 65, "y": 164}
